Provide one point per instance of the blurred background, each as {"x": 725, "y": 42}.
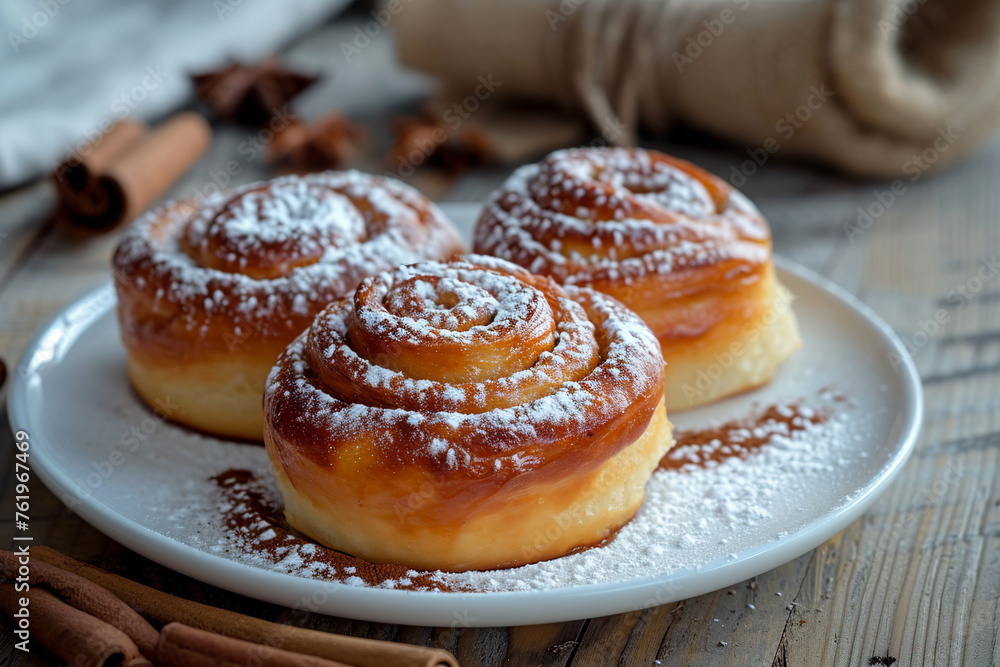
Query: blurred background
{"x": 800, "y": 104}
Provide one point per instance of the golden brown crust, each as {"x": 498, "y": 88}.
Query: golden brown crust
{"x": 243, "y": 272}
{"x": 254, "y": 265}
{"x": 689, "y": 254}
{"x": 666, "y": 238}
{"x": 489, "y": 381}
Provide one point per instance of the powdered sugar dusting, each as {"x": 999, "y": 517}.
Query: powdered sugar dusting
{"x": 286, "y": 222}
{"x": 689, "y": 516}
{"x": 692, "y": 513}
{"x": 263, "y": 256}
{"x": 586, "y": 215}
{"x": 601, "y": 362}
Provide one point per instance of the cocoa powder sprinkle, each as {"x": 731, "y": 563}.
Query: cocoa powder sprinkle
{"x": 251, "y": 508}
{"x": 258, "y": 526}
{"x": 739, "y": 437}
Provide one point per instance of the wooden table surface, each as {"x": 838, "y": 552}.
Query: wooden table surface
{"x": 917, "y": 579}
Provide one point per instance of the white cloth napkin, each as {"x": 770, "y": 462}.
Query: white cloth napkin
{"x": 70, "y": 67}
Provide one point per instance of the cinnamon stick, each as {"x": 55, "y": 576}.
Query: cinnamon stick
{"x": 88, "y": 597}
{"x": 74, "y": 636}
{"x": 515, "y": 133}
{"x": 135, "y": 178}
{"x": 184, "y": 646}
{"x": 165, "y": 608}
{"x": 75, "y": 175}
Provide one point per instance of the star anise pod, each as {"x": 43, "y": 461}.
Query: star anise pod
{"x": 430, "y": 141}
{"x": 328, "y": 143}
{"x": 250, "y": 94}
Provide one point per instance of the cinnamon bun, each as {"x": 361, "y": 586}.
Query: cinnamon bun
{"x": 210, "y": 292}
{"x": 688, "y": 253}
{"x": 466, "y": 415}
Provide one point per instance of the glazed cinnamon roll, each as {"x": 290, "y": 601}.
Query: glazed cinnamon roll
{"x": 466, "y": 415}
{"x": 210, "y": 293}
{"x": 685, "y": 251}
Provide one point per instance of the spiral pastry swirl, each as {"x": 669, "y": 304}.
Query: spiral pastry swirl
{"x": 689, "y": 254}
{"x": 211, "y": 292}
{"x": 448, "y": 413}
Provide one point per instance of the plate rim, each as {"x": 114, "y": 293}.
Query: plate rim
{"x": 511, "y": 608}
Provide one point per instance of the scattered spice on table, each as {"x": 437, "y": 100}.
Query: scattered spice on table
{"x": 328, "y": 143}
{"x": 250, "y": 94}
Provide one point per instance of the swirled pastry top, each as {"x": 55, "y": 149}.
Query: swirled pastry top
{"x": 588, "y": 216}
{"x": 270, "y": 255}
{"x": 475, "y": 369}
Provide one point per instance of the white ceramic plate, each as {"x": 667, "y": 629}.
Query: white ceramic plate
{"x": 145, "y": 483}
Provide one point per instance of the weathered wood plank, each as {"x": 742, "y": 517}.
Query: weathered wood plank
{"x": 917, "y": 579}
